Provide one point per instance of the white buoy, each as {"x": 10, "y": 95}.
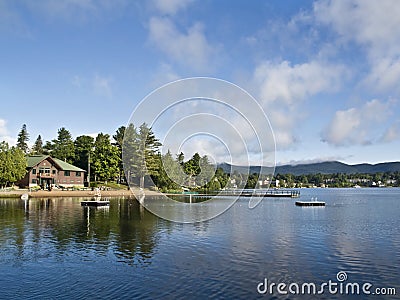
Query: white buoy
{"x": 24, "y": 197}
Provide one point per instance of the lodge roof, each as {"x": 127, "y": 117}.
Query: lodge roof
{"x": 34, "y": 160}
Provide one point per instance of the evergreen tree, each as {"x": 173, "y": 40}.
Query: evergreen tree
{"x": 63, "y": 146}
{"x": 207, "y": 171}
{"x": 180, "y": 158}
{"x": 141, "y": 155}
{"x": 192, "y": 168}
{"x": 119, "y": 140}
{"x": 119, "y": 136}
{"x": 48, "y": 148}
{"x": 222, "y": 177}
{"x": 171, "y": 172}
{"x": 214, "y": 184}
{"x": 130, "y": 147}
{"x": 23, "y": 138}
{"x": 105, "y": 158}
{"x": 83, "y": 147}
{"x": 38, "y": 146}
{"x": 147, "y": 153}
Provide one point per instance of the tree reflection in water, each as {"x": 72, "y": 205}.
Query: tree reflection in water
{"x": 55, "y": 228}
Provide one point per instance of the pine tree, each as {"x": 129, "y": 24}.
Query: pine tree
{"x": 105, "y": 158}
{"x": 207, "y": 171}
{"x": 119, "y": 140}
{"x": 48, "y": 148}
{"x": 130, "y": 146}
{"x": 141, "y": 155}
{"x": 171, "y": 172}
{"x": 148, "y": 151}
{"x": 38, "y": 146}
{"x": 83, "y": 146}
{"x": 192, "y": 168}
{"x": 180, "y": 158}
{"x": 63, "y": 146}
{"x": 119, "y": 136}
{"x": 23, "y": 138}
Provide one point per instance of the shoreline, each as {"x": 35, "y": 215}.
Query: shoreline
{"x": 84, "y": 194}
{"x": 91, "y": 194}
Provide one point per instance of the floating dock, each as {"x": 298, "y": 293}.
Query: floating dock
{"x": 95, "y": 203}
{"x": 310, "y": 203}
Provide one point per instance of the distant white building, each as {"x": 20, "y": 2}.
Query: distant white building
{"x": 275, "y": 183}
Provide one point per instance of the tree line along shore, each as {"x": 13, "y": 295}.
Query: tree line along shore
{"x": 138, "y": 150}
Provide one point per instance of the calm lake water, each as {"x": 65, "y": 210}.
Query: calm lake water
{"x": 56, "y": 249}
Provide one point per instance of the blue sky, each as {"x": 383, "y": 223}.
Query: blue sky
{"x": 326, "y": 73}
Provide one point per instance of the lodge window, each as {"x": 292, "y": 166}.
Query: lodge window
{"x": 66, "y": 173}
{"x": 34, "y": 181}
{"x": 78, "y": 174}
{"x": 54, "y": 171}
{"x": 33, "y": 172}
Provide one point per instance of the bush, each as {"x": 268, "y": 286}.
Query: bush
{"x": 35, "y": 188}
{"x": 94, "y": 184}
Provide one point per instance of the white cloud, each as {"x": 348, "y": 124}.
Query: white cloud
{"x": 292, "y": 84}
{"x": 384, "y": 75}
{"x": 3, "y": 128}
{"x": 8, "y": 139}
{"x": 102, "y": 86}
{"x": 373, "y": 25}
{"x": 357, "y": 126}
{"x": 392, "y": 133}
{"x": 171, "y": 7}
{"x": 283, "y": 88}
{"x": 4, "y": 133}
{"x": 163, "y": 75}
{"x": 190, "y": 48}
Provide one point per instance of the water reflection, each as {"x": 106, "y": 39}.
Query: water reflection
{"x": 46, "y": 227}
{"x": 55, "y": 244}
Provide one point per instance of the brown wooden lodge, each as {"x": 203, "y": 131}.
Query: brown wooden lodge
{"x": 47, "y": 172}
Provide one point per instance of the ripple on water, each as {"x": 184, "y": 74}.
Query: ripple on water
{"x": 126, "y": 252}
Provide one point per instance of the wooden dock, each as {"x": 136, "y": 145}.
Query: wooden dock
{"x": 310, "y": 203}
{"x": 262, "y": 193}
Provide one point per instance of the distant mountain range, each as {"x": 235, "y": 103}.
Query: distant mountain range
{"x": 329, "y": 167}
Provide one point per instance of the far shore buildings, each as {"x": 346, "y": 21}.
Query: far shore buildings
{"x": 46, "y": 171}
